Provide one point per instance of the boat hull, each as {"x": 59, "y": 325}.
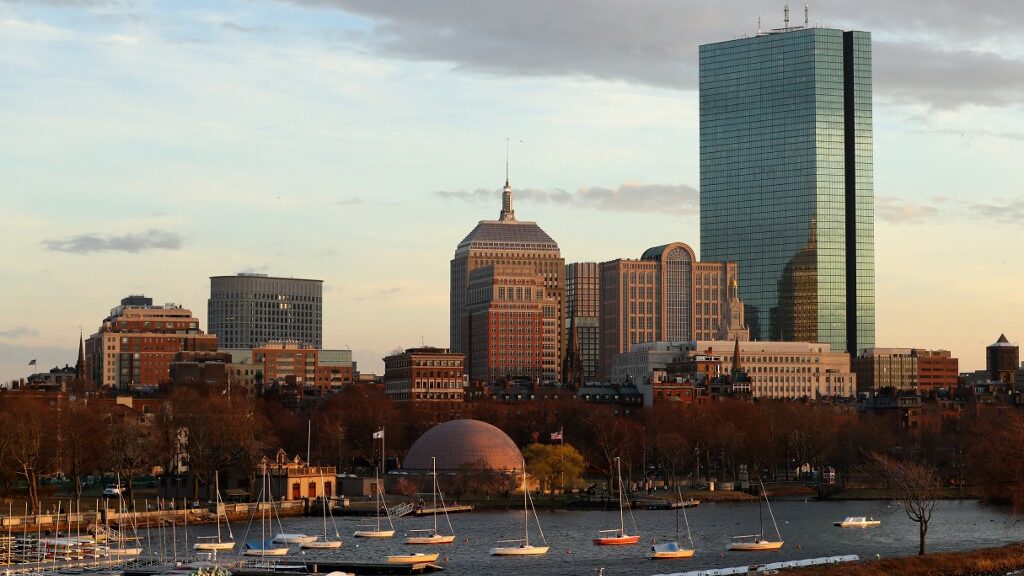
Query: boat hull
{"x": 758, "y": 546}
{"x": 373, "y": 533}
{"x": 436, "y": 539}
{"x": 866, "y": 524}
{"x": 671, "y": 554}
{"x": 623, "y": 540}
{"x": 293, "y": 539}
{"x": 321, "y": 545}
{"x": 214, "y": 546}
{"x": 266, "y": 552}
{"x": 519, "y": 550}
{"x": 412, "y": 558}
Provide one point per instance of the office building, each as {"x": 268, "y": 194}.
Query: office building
{"x": 788, "y": 369}
{"x": 425, "y": 374}
{"x": 137, "y": 342}
{"x": 286, "y": 362}
{"x": 507, "y": 242}
{"x": 667, "y": 295}
{"x": 250, "y": 310}
{"x": 1002, "y": 360}
{"x": 582, "y": 315}
{"x": 786, "y": 180}
{"x": 508, "y": 311}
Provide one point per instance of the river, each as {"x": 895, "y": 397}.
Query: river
{"x": 806, "y": 528}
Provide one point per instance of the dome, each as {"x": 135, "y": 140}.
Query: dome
{"x": 464, "y": 445}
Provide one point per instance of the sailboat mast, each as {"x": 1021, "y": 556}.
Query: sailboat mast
{"x": 760, "y": 515}
{"x": 323, "y": 492}
{"x": 526, "y": 513}
{"x": 216, "y": 501}
{"x": 433, "y": 468}
{"x": 622, "y": 519}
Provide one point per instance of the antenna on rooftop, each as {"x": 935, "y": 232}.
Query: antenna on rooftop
{"x": 758, "y": 25}
{"x": 807, "y": 16}
{"x": 785, "y": 16}
{"x": 506, "y": 160}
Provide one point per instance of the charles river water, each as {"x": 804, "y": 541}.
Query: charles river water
{"x": 806, "y": 528}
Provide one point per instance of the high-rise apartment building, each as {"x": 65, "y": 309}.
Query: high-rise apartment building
{"x": 137, "y": 342}
{"x": 250, "y": 310}
{"x": 667, "y": 295}
{"x": 507, "y": 242}
{"x": 786, "y": 180}
{"x": 582, "y": 316}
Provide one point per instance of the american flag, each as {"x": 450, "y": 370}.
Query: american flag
{"x": 32, "y": 362}
{"x": 557, "y": 435}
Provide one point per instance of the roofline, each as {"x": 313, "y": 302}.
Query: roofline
{"x": 269, "y": 278}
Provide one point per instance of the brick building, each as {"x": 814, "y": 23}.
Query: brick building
{"x": 136, "y": 343}
{"x": 293, "y": 362}
{"x": 426, "y": 374}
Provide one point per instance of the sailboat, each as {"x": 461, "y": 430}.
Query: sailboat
{"x": 378, "y": 533}
{"x": 264, "y": 547}
{"x": 433, "y": 536}
{"x": 673, "y": 550}
{"x": 325, "y": 543}
{"x": 757, "y": 542}
{"x": 524, "y": 548}
{"x": 618, "y": 535}
{"x": 214, "y": 543}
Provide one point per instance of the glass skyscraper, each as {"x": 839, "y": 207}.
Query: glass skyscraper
{"x": 786, "y": 181}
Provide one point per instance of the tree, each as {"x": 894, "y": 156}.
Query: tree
{"x": 556, "y": 466}
{"x": 81, "y": 425}
{"x": 27, "y": 426}
{"x": 128, "y": 448}
{"x": 914, "y": 486}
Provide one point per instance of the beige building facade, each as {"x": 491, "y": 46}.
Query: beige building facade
{"x": 788, "y": 369}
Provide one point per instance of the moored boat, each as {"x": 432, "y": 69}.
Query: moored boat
{"x": 524, "y": 548}
{"x": 757, "y": 542}
{"x": 858, "y": 522}
{"x": 417, "y": 558}
{"x": 618, "y": 536}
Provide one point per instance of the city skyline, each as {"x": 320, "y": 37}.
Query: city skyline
{"x": 147, "y": 148}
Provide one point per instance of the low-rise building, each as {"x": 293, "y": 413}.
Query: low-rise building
{"x": 788, "y": 369}
{"x": 425, "y": 374}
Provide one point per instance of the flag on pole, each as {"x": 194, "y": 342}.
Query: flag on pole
{"x": 379, "y": 434}
{"x": 557, "y": 435}
{"x": 32, "y": 362}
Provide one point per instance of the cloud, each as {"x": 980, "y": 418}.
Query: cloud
{"x": 899, "y": 211}
{"x": 655, "y": 42}
{"x": 18, "y": 332}
{"x": 349, "y": 202}
{"x": 131, "y": 242}
{"x": 677, "y": 199}
{"x": 1008, "y": 212}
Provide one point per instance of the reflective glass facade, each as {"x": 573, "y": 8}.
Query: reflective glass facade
{"x": 786, "y": 181}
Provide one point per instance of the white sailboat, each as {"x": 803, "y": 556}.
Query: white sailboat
{"x": 757, "y": 542}
{"x": 264, "y": 547}
{"x": 674, "y": 550}
{"x": 618, "y": 536}
{"x": 381, "y": 503}
{"x": 378, "y": 532}
{"x": 215, "y": 543}
{"x": 326, "y": 543}
{"x": 432, "y": 535}
{"x": 524, "y": 548}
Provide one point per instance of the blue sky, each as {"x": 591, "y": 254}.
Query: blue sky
{"x": 145, "y": 146}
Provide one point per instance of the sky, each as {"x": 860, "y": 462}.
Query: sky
{"x": 148, "y": 145}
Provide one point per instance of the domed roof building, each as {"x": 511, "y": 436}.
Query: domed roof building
{"x": 464, "y": 445}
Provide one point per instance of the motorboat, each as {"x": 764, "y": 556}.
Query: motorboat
{"x": 293, "y": 539}
{"x": 858, "y": 522}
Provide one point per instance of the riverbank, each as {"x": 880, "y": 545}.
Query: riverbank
{"x": 986, "y": 562}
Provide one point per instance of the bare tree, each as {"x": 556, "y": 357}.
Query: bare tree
{"x": 81, "y": 425}
{"x": 914, "y": 486}
{"x": 29, "y": 434}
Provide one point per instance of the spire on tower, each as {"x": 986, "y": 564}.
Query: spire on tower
{"x": 507, "y": 213}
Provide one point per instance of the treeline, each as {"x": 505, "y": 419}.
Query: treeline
{"x": 725, "y": 440}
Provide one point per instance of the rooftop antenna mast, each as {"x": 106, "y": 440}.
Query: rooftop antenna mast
{"x": 758, "y": 25}
{"x": 785, "y": 16}
{"x": 506, "y": 161}
{"x": 807, "y": 16}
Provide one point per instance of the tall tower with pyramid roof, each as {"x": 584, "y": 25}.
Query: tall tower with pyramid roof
{"x": 509, "y": 243}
